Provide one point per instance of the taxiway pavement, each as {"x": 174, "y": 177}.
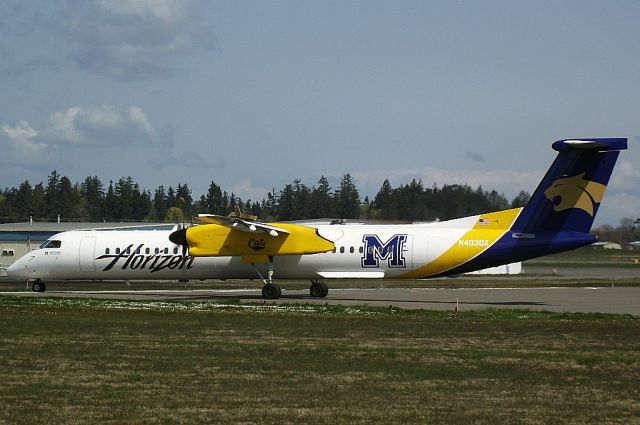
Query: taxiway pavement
{"x": 624, "y": 300}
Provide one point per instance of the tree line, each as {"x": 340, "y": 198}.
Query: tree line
{"x": 125, "y": 200}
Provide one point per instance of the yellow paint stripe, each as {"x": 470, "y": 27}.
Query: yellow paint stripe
{"x": 485, "y": 233}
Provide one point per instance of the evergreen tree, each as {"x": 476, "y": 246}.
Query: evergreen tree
{"x": 110, "y": 207}
{"x": 214, "y": 202}
{"x": 51, "y": 196}
{"x": 285, "y": 207}
{"x": 38, "y": 202}
{"x": 520, "y": 200}
{"x": 322, "y": 202}
{"x": 126, "y": 194}
{"x": 68, "y": 197}
{"x": 93, "y": 192}
{"x": 23, "y": 204}
{"x": 384, "y": 202}
{"x": 170, "y": 200}
{"x": 301, "y": 200}
{"x": 347, "y": 198}
{"x": 159, "y": 204}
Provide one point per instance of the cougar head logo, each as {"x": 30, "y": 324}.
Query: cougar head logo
{"x": 575, "y": 192}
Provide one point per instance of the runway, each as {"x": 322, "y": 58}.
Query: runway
{"x": 621, "y": 300}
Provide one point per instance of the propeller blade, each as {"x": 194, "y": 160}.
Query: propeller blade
{"x": 179, "y": 237}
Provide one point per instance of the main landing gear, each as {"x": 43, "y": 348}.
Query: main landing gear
{"x": 38, "y": 286}
{"x": 271, "y": 291}
{"x": 318, "y": 289}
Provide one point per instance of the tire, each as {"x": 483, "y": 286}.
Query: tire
{"x": 317, "y": 291}
{"x": 325, "y": 289}
{"x": 271, "y": 291}
{"x": 38, "y": 286}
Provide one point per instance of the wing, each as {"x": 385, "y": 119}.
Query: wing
{"x": 241, "y": 224}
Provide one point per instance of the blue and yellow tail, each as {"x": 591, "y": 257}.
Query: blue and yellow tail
{"x": 569, "y": 195}
{"x": 559, "y": 215}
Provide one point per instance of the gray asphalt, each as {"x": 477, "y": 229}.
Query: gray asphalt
{"x": 625, "y": 300}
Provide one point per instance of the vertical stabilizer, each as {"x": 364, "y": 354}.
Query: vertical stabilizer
{"x": 569, "y": 195}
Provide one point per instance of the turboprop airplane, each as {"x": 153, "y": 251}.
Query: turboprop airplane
{"x": 558, "y": 217}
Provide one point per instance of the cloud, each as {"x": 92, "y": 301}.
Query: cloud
{"x": 22, "y": 145}
{"x": 134, "y": 40}
{"x": 474, "y": 156}
{"x": 617, "y": 205}
{"x": 626, "y": 178}
{"x": 622, "y": 198}
{"x": 139, "y": 118}
{"x": 100, "y": 125}
{"x": 247, "y": 191}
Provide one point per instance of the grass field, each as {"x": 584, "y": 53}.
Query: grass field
{"x": 89, "y": 361}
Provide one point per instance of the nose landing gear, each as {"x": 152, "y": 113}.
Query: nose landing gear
{"x": 38, "y": 286}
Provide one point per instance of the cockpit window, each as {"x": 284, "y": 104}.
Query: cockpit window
{"x": 51, "y": 244}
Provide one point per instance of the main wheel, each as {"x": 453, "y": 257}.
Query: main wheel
{"x": 271, "y": 291}
{"x": 38, "y": 286}
{"x": 325, "y": 289}
{"x": 318, "y": 290}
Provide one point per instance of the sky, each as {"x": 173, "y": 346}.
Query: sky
{"x": 254, "y": 94}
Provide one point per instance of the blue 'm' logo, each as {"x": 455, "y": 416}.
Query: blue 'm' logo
{"x": 392, "y": 251}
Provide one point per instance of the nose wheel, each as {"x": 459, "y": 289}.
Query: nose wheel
{"x": 318, "y": 289}
{"x": 38, "y": 286}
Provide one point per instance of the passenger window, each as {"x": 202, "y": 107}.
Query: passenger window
{"x": 157, "y": 250}
{"x": 166, "y": 250}
{"x": 351, "y": 250}
{"x": 106, "y": 250}
{"x": 146, "y": 250}
{"x": 175, "y": 250}
{"x": 117, "y": 250}
{"x": 361, "y": 250}
{"x": 129, "y": 250}
{"x": 341, "y": 250}
{"x": 138, "y": 250}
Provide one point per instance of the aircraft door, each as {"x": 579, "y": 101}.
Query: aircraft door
{"x": 87, "y": 254}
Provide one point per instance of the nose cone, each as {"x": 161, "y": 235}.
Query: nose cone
{"x": 17, "y": 269}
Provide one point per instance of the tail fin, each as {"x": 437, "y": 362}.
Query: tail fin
{"x": 569, "y": 195}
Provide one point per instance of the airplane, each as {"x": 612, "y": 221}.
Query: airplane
{"x": 558, "y": 217}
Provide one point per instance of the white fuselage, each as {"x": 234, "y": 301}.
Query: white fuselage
{"x": 362, "y": 251}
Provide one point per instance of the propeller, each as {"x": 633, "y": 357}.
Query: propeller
{"x": 179, "y": 237}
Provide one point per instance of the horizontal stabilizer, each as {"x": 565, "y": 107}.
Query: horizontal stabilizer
{"x": 609, "y": 144}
